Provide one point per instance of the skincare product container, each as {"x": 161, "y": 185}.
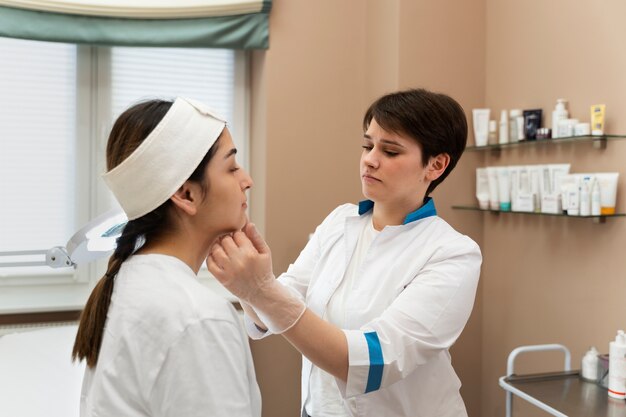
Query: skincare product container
{"x": 544, "y": 133}
{"x": 481, "y": 124}
{"x": 514, "y": 178}
{"x": 525, "y": 201}
{"x": 608, "y": 191}
{"x": 573, "y": 197}
{"x": 503, "y": 133}
{"x": 585, "y": 197}
{"x": 589, "y": 368}
{"x": 482, "y": 188}
{"x": 582, "y": 129}
{"x": 492, "y": 178}
{"x": 493, "y": 132}
{"x": 617, "y": 366}
{"x": 595, "y": 198}
{"x": 559, "y": 113}
{"x": 567, "y": 127}
{"x": 597, "y": 119}
{"x": 504, "y": 189}
{"x": 534, "y": 172}
{"x": 532, "y": 122}
{"x": 550, "y": 184}
{"x": 514, "y": 134}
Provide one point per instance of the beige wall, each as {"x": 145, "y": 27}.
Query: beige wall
{"x": 544, "y": 279}
{"x": 548, "y": 279}
{"x": 327, "y": 61}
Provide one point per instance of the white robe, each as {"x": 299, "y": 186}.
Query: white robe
{"x": 171, "y": 347}
{"x": 413, "y": 296}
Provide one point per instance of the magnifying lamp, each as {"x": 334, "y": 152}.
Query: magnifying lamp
{"x": 93, "y": 241}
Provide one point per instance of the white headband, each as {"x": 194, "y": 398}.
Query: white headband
{"x": 166, "y": 158}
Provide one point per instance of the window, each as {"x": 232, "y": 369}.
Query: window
{"x": 58, "y": 102}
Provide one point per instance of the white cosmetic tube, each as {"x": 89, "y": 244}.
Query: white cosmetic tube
{"x": 481, "y": 126}
{"x": 551, "y": 194}
{"x": 566, "y": 182}
{"x": 524, "y": 199}
{"x": 514, "y": 180}
{"x": 504, "y": 188}
{"x": 608, "y": 191}
{"x": 482, "y": 188}
{"x": 492, "y": 177}
{"x": 573, "y": 197}
{"x": 520, "y": 127}
{"x": 534, "y": 172}
{"x": 557, "y": 171}
{"x": 585, "y": 196}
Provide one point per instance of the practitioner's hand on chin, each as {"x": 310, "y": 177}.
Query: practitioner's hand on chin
{"x": 242, "y": 262}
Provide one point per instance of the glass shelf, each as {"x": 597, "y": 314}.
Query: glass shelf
{"x": 596, "y": 219}
{"x": 597, "y": 141}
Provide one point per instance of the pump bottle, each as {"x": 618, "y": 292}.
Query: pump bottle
{"x": 617, "y": 366}
{"x": 560, "y": 113}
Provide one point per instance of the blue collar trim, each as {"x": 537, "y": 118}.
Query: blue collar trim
{"x": 427, "y": 210}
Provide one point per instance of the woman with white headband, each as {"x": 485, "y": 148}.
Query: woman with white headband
{"x": 157, "y": 342}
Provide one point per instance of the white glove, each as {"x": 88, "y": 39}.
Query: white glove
{"x": 243, "y": 265}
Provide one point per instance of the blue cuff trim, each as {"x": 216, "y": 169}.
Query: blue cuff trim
{"x": 375, "y": 377}
{"x": 428, "y": 209}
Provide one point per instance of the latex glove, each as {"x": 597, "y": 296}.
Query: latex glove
{"x": 243, "y": 265}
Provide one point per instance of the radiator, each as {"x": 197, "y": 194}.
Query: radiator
{"x": 27, "y": 327}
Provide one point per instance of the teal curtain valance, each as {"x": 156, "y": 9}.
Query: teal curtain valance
{"x": 237, "y": 31}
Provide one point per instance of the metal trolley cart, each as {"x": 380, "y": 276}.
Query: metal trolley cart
{"x": 561, "y": 394}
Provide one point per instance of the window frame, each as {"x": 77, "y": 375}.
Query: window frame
{"x": 50, "y": 289}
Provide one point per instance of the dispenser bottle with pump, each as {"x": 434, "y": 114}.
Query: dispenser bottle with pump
{"x": 617, "y": 366}
{"x": 560, "y": 113}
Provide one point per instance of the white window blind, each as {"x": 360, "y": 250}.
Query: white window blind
{"x": 57, "y": 104}
{"x": 37, "y": 144}
{"x": 206, "y": 75}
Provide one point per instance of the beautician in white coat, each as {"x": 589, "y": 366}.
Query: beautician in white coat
{"x": 382, "y": 290}
{"x": 157, "y": 342}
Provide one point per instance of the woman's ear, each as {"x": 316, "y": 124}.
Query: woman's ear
{"x": 187, "y": 198}
{"x": 437, "y": 166}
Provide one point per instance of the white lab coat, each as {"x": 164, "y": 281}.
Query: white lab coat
{"x": 171, "y": 348}
{"x": 413, "y": 297}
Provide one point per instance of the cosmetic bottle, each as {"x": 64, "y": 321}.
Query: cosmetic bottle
{"x": 560, "y": 113}
{"x": 585, "y": 198}
{"x": 573, "y": 198}
{"x": 515, "y": 125}
{"x": 532, "y": 122}
{"x": 493, "y": 132}
{"x": 504, "y": 128}
{"x": 589, "y": 368}
{"x": 595, "y": 198}
{"x": 481, "y": 125}
{"x": 617, "y": 366}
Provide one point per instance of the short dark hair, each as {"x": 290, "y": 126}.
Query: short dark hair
{"x": 435, "y": 121}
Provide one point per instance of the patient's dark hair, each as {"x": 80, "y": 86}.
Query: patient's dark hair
{"x": 128, "y": 132}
